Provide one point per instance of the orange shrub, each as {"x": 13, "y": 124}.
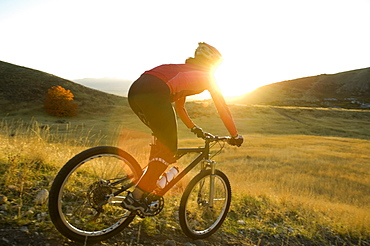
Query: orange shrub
{"x": 59, "y": 102}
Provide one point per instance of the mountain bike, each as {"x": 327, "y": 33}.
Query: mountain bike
{"x": 87, "y": 193}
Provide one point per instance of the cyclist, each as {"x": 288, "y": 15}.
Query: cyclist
{"x": 151, "y": 97}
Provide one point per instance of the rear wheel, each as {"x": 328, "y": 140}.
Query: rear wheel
{"x": 201, "y": 213}
{"x": 81, "y": 203}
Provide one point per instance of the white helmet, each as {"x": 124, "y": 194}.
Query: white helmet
{"x": 209, "y": 52}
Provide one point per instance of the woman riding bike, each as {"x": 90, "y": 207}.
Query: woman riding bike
{"x": 151, "y": 97}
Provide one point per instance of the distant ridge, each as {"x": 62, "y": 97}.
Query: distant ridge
{"x": 349, "y": 89}
{"x": 22, "y": 87}
{"x": 110, "y": 85}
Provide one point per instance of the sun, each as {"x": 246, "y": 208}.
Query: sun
{"x": 233, "y": 82}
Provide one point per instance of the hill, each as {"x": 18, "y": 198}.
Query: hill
{"x": 22, "y": 87}
{"x": 25, "y": 88}
{"x": 349, "y": 89}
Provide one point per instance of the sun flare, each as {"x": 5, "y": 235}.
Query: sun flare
{"x": 231, "y": 82}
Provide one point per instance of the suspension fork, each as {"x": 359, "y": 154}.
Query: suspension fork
{"x": 212, "y": 165}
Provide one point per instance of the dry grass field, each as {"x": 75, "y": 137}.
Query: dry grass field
{"x": 302, "y": 175}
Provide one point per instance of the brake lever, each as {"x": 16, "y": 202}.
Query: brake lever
{"x": 207, "y": 135}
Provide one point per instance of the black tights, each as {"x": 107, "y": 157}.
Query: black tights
{"x": 149, "y": 97}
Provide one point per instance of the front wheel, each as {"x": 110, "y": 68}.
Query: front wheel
{"x": 84, "y": 202}
{"x": 203, "y": 208}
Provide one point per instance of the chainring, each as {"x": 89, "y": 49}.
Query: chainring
{"x": 155, "y": 204}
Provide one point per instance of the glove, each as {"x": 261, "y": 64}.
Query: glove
{"x": 236, "y": 141}
{"x": 197, "y": 131}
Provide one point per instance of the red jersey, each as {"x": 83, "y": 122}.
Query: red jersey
{"x": 190, "y": 79}
{"x": 183, "y": 79}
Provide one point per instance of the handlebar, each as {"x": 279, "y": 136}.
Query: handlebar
{"x": 208, "y": 137}
{"x": 214, "y": 138}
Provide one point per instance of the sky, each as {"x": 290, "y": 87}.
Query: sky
{"x": 262, "y": 41}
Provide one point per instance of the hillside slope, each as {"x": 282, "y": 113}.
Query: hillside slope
{"x": 349, "y": 89}
{"x": 22, "y": 87}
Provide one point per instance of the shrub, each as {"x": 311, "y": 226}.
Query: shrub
{"x": 59, "y": 102}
